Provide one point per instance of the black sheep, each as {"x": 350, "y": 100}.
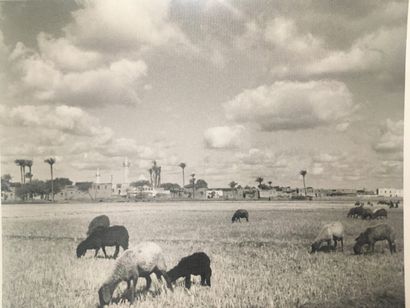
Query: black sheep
{"x": 380, "y": 213}
{"x": 355, "y": 212}
{"x": 101, "y": 237}
{"x": 367, "y": 213}
{"x": 195, "y": 264}
{"x": 240, "y": 214}
{"x": 373, "y": 234}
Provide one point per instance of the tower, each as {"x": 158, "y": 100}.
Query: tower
{"x": 98, "y": 177}
{"x": 126, "y": 167}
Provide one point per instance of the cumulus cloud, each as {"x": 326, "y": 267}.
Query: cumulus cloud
{"x": 66, "y": 119}
{"x": 295, "y": 51}
{"x": 65, "y": 55}
{"x": 289, "y": 105}
{"x": 125, "y": 24}
{"x": 120, "y": 80}
{"x": 379, "y": 50}
{"x": 391, "y": 137}
{"x": 223, "y": 137}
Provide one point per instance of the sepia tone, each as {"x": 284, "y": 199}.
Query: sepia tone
{"x": 207, "y": 153}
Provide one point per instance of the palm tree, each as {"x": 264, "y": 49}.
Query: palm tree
{"x": 183, "y": 165}
{"x": 233, "y": 184}
{"x": 259, "y": 180}
{"x": 303, "y": 174}
{"x": 51, "y": 162}
{"x": 193, "y": 185}
{"x": 29, "y": 164}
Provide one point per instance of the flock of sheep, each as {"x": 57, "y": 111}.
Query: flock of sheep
{"x": 140, "y": 261}
{"x": 147, "y": 257}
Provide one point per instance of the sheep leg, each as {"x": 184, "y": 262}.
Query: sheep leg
{"x": 247, "y": 220}
{"x": 329, "y": 243}
{"x": 160, "y": 273}
{"x": 96, "y": 252}
{"x": 391, "y": 246}
{"x": 372, "y": 246}
{"x": 117, "y": 250}
{"x": 148, "y": 278}
{"x": 335, "y": 240}
{"x": 135, "y": 280}
{"x": 203, "y": 280}
{"x": 188, "y": 281}
{"x": 105, "y": 253}
{"x": 341, "y": 241}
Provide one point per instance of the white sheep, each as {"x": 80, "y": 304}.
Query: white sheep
{"x": 332, "y": 231}
{"x": 141, "y": 261}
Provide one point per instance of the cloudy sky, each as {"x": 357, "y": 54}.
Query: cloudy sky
{"x": 235, "y": 89}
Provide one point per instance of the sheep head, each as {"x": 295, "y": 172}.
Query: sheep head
{"x": 315, "y": 247}
{"x": 105, "y": 294}
{"x": 81, "y": 249}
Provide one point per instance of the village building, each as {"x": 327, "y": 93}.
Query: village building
{"x": 390, "y": 192}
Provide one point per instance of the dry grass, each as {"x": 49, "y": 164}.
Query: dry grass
{"x": 263, "y": 263}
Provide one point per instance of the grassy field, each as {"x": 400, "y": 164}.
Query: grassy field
{"x": 263, "y": 263}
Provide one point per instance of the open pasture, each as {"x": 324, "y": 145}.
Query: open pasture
{"x": 263, "y": 263}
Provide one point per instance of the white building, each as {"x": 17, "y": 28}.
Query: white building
{"x": 390, "y": 192}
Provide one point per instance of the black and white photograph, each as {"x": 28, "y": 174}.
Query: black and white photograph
{"x": 202, "y": 153}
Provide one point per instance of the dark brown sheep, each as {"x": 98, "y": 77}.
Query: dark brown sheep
{"x": 379, "y": 214}
{"x": 195, "y": 264}
{"x": 240, "y": 214}
{"x": 102, "y": 237}
{"x": 355, "y": 212}
{"x": 101, "y": 221}
{"x": 373, "y": 234}
{"x": 367, "y": 213}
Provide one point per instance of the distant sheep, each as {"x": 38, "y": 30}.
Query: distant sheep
{"x": 374, "y": 234}
{"x": 240, "y": 214}
{"x": 99, "y": 221}
{"x": 102, "y": 237}
{"x": 367, "y": 213}
{"x": 355, "y": 212}
{"x": 379, "y": 214}
{"x": 141, "y": 261}
{"x": 332, "y": 231}
{"x": 195, "y": 264}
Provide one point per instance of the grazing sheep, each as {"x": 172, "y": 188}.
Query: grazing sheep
{"x": 380, "y": 213}
{"x": 355, "y": 212}
{"x": 367, "y": 213}
{"x": 240, "y": 214}
{"x": 195, "y": 264}
{"x": 373, "y": 234}
{"x": 141, "y": 261}
{"x": 101, "y": 237}
{"x": 99, "y": 221}
{"x": 332, "y": 231}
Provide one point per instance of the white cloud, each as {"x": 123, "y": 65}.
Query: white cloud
{"x": 71, "y": 120}
{"x": 297, "y": 52}
{"x": 116, "y": 83}
{"x": 125, "y": 24}
{"x": 65, "y": 55}
{"x": 391, "y": 137}
{"x": 288, "y": 105}
{"x": 380, "y": 50}
{"x": 223, "y": 137}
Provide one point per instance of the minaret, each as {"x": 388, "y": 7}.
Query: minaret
{"x": 126, "y": 165}
{"x": 98, "y": 177}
